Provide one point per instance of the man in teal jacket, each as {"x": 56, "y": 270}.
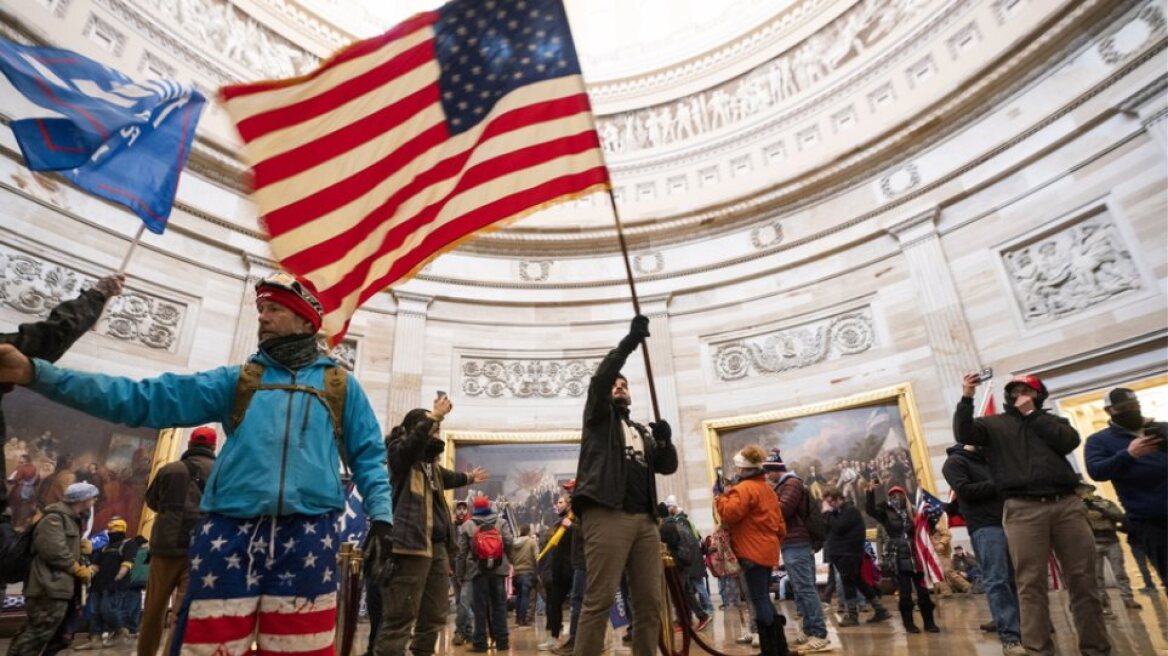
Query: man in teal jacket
{"x": 263, "y": 562}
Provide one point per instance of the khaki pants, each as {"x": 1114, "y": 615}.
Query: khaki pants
{"x": 1033, "y": 529}
{"x": 616, "y": 543}
{"x": 414, "y": 603}
{"x": 168, "y": 576}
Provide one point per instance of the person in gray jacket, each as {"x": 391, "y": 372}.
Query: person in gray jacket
{"x": 483, "y": 543}
{"x": 56, "y": 566}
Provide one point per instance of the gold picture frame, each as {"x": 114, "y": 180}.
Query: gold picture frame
{"x": 901, "y": 394}
{"x": 525, "y": 447}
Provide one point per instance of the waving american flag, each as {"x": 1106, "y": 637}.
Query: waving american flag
{"x": 403, "y": 145}
{"x": 929, "y": 512}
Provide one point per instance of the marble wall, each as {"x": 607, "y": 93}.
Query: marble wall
{"x": 1030, "y": 237}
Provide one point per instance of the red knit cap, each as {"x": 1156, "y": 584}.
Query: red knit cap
{"x": 291, "y": 301}
{"x": 481, "y": 502}
{"x": 204, "y": 436}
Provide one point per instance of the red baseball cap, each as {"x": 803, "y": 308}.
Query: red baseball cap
{"x": 204, "y": 436}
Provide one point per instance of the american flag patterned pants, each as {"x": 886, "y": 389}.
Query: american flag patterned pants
{"x": 264, "y": 585}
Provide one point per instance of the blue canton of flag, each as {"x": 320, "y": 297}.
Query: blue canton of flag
{"x": 931, "y": 506}
{"x": 124, "y": 141}
{"x": 488, "y": 49}
{"x": 352, "y": 523}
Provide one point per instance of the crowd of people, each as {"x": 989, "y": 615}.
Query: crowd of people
{"x": 242, "y": 556}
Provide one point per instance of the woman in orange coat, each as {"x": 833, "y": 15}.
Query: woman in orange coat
{"x": 749, "y": 509}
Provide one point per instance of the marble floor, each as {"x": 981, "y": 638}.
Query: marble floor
{"x": 1134, "y": 632}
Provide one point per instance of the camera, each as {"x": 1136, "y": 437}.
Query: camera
{"x": 985, "y": 374}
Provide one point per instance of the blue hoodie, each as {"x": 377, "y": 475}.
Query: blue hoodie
{"x": 281, "y": 460}
{"x": 1142, "y": 484}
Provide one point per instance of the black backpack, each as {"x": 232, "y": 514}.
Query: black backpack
{"x": 16, "y": 552}
{"x": 689, "y": 549}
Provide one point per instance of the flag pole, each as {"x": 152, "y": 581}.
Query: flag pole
{"x": 620, "y": 234}
{"x": 133, "y": 245}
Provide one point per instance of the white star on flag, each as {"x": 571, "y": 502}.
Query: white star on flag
{"x": 245, "y": 527}
{"x": 196, "y": 563}
{"x": 328, "y": 574}
{"x": 289, "y": 544}
{"x": 217, "y": 543}
{"x": 253, "y": 580}
{"x": 310, "y": 560}
{"x": 309, "y": 528}
{"x": 233, "y": 561}
{"x": 327, "y": 541}
{"x": 206, "y": 528}
{"x": 209, "y": 580}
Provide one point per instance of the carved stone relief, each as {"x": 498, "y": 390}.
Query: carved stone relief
{"x": 648, "y": 263}
{"x": 526, "y": 378}
{"x": 235, "y": 36}
{"x": 345, "y": 354}
{"x": 900, "y": 181}
{"x": 104, "y": 35}
{"x": 766, "y": 235}
{"x": 35, "y": 286}
{"x": 1080, "y": 266}
{"x": 1132, "y": 35}
{"x": 535, "y": 270}
{"x": 795, "y": 347}
{"x": 798, "y": 69}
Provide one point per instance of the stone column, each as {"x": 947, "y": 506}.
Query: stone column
{"x": 949, "y": 334}
{"x": 660, "y": 349}
{"x": 409, "y": 352}
{"x": 246, "y": 340}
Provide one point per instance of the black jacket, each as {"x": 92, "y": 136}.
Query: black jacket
{"x": 176, "y": 500}
{"x": 49, "y": 339}
{"x": 898, "y": 550}
{"x": 1027, "y": 455}
{"x": 845, "y": 532}
{"x": 978, "y": 500}
{"x": 600, "y": 473}
{"x": 417, "y": 499}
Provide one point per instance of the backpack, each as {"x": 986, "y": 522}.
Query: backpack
{"x": 141, "y": 569}
{"x": 336, "y": 381}
{"x": 16, "y": 552}
{"x": 813, "y": 520}
{"x": 689, "y": 550}
{"x": 487, "y": 546}
{"x": 721, "y": 559}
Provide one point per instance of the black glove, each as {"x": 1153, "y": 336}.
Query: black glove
{"x": 379, "y": 546}
{"x": 639, "y": 328}
{"x": 661, "y": 430}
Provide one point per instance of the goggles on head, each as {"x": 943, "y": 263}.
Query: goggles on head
{"x": 288, "y": 282}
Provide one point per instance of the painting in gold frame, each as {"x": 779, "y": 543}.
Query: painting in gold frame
{"x": 527, "y": 469}
{"x": 839, "y": 442}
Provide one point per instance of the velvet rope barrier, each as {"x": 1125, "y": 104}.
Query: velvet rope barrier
{"x": 677, "y": 598}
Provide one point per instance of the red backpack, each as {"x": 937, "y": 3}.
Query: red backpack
{"x": 487, "y": 545}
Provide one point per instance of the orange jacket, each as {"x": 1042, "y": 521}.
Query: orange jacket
{"x": 751, "y": 512}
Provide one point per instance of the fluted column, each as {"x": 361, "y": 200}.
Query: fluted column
{"x": 660, "y": 349}
{"x": 246, "y": 337}
{"x": 409, "y": 348}
{"x": 948, "y": 330}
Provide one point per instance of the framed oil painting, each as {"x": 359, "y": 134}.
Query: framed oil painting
{"x": 527, "y": 470}
{"x": 838, "y": 443}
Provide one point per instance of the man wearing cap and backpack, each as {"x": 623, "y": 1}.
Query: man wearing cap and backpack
{"x": 805, "y": 535}
{"x": 174, "y": 496}
{"x": 1027, "y": 449}
{"x": 484, "y": 542}
{"x": 54, "y": 543}
{"x": 263, "y": 561}
{"x": 1131, "y": 453}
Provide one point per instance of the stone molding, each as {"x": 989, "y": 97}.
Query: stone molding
{"x": 526, "y": 378}
{"x": 794, "y": 347}
{"x": 33, "y": 286}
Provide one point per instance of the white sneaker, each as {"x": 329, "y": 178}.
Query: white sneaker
{"x": 746, "y": 637}
{"x": 815, "y": 644}
{"x": 549, "y": 644}
{"x": 754, "y": 641}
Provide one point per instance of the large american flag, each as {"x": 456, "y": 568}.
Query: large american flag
{"x": 402, "y": 145}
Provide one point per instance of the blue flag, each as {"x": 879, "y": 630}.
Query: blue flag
{"x": 122, "y": 140}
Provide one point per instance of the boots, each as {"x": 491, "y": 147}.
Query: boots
{"x": 906, "y": 616}
{"x": 766, "y": 641}
{"x": 881, "y": 613}
{"x": 779, "y": 636}
{"x": 851, "y": 617}
{"x": 927, "y": 619}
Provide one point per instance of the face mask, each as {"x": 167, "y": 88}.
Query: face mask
{"x": 1130, "y": 419}
{"x": 434, "y": 447}
{"x": 85, "y": 514}
{"x": 896, "y": 502}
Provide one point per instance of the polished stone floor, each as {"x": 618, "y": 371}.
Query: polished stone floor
{"x": 1134, "y": 632}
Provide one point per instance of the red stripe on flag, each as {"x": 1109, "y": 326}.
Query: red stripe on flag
{"x": 475, "y": 176}
{"x": 418, "y": 21}
{"x": 481, "y": 217}
{"x": 216, "y": 630}
{"x": 336, "y": 195}
{"x": 338, "y": 142}
{"x": 323, "y": 651}
{"x": 277, "y": 119}
{"x": 274, "y": 623}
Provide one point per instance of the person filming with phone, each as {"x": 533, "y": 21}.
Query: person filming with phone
{"x": 1131, "y": 454}
{"x": 1026, "y": 448}
{"x": 414, "y": 583}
